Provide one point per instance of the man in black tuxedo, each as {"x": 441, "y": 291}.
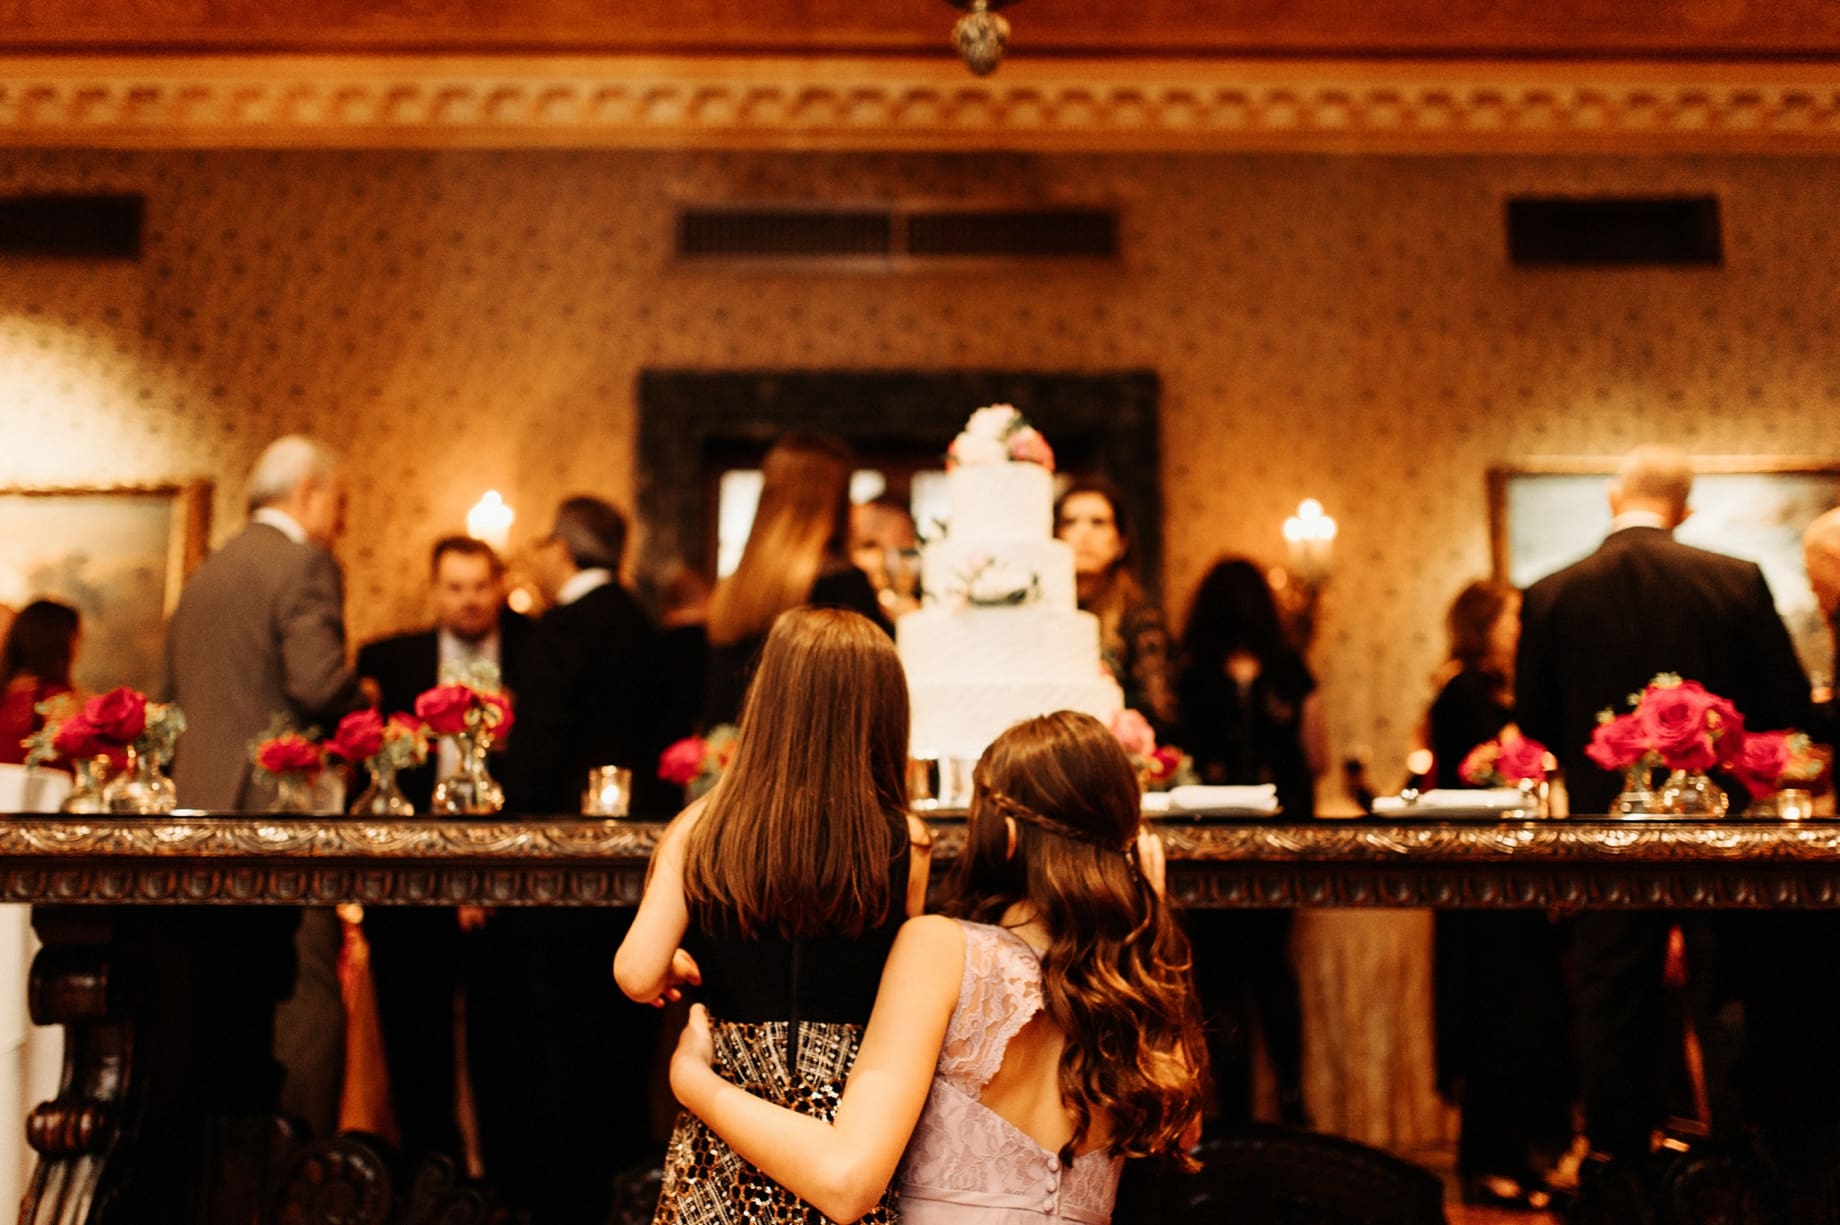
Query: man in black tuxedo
{"x": 562, "y": 1060}
{"x": 417, "y": 952}
{"x": 1592, "y": 634}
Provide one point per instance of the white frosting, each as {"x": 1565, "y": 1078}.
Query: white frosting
{"x": 991, "y": 502}
{"x": 945, "y": 567}
{"x": 961, "y": 718}
{"x": 999, "y": 645}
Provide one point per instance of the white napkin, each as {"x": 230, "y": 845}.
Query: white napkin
{"x": 1261, "y": 800}
{"x": 1448, "y": 800}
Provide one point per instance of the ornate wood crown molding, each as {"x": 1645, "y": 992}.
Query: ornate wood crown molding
{"x": 1389, "y": 106}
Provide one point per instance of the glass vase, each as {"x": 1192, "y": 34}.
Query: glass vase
{"x": 1638, "y": 799}
{"x": 141, "y": 789}
{"x": 383, "y": 798}
{"x": 1536, "y": 798}
{"x": 90, "y": 794}
{"x": 1785, "y": 804}
{"x": 292, "y": 794}
{"x": 470, "y": 791}
{"x": 1692, "y": 793}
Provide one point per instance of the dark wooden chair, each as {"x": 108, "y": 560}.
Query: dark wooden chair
{"x": 1267, "y": 1175}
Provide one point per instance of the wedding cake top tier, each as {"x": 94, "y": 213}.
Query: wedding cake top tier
{"x": 1001, "y": 479}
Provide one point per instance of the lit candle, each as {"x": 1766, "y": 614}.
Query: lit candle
{"x": 1310, "y": 535}
{"x": 490, "y": 520}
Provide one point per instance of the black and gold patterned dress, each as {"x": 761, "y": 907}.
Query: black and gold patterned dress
{"x": 773, "y": 1000}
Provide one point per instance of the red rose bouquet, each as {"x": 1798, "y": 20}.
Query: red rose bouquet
{"x": 1769, "y": 762}
{"x": 108, "y": 725}
{"x": 469, "y": 703}
{"x": 1158, "y": 767}
{"x": 288, "y": 753}
{"x": 1690, "y": 728}
{"x": 1509, "y": 760}
{"x": 695, "y": 763}
{"x": 366, "y": 737}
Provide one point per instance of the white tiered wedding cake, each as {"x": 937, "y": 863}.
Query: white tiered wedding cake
{"x": 1000, "y": 637}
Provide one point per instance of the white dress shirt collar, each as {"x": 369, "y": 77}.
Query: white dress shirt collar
{"x": 581, "y": 583}
{"x": 1638, "y": 518}
{"x": 281, "y": 521}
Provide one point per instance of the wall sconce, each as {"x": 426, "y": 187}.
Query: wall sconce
{"x": 490, "y": 520}
{"x": 1310, "y": 536}
{"x": 981, "y": 35}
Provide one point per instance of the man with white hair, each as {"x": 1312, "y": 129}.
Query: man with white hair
{"x": 1592, "y": 634}
{"x": 259, "y": 633}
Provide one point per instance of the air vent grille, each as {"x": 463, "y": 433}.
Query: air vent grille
{"x": 1545, "y": 231}
{"x": 72, "y": 227}
{"x": 896, "y": 234}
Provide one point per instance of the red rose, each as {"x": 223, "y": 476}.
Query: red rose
{"x": 1619, "y": 743}
{"x": 1164, "y": 763}
{"x": 1760, "y": 761}
{"x": 289, "y": 754}
{"x": 1521, "y": 758}
{"x": 1027, "y": 445}
{"x": 404, "y": 724}
{"x": 360, "y": 735}
{"x": 444, "y": 708}
{"x": 119, "y": 715}
{"x": 682, "y": 761}
{"x": 502, "y": 704}
{"x": 1675, "y": 718}
{"x": 76, "y": 738}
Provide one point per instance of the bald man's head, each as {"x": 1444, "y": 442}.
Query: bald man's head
{"x": 1821, "y": 554}
{"x": 1654, "y": 479}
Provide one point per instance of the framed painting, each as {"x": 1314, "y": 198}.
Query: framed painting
{"x": 117, "y": 555}
{"x": 1548, "y": 515}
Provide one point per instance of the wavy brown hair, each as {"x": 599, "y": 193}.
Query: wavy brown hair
{"x": 801, "y": 526}
{"x": 1116, "y": 979}
{"x": 801, "y": 833}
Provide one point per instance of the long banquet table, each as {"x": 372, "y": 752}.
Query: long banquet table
{"x": 99, "y": 884}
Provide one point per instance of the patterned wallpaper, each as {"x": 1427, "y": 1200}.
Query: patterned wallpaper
{"x": 1344, "y": 328}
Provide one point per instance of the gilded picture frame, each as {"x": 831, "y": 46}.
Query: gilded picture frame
{"x": 119, "y": 555}
{"x": 1546, "y": 514}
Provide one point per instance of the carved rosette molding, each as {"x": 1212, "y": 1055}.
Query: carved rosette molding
{"x": 766, "y": 102}
{"x": 1570, "y": 864}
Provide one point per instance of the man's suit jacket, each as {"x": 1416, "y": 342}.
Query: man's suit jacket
{"x": 588, "y": 696}
{"x": 1599, "y": 630}
{"x": 259, "y": 631}
{"x": 407, "y": 664}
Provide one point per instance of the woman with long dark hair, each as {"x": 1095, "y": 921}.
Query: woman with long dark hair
{"x": 35, "y": 665}
{"x": 797, "y": 552}
{"x": 779, "y": 893}
{"x": 1133, "y": 640}
{"x": 1022, "y": 1048}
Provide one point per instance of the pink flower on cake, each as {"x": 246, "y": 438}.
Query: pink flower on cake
{"x": 1134, "y": 732}
{"x": 1027, "y": 446}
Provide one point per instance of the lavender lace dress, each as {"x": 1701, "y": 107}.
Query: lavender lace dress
{"x": 966, "y": 1163}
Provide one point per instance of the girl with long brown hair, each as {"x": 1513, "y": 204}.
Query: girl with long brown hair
{"x": 1020, "y": 1050}
{"x": 797, "y": 552}
{"x": 779, "y": 894}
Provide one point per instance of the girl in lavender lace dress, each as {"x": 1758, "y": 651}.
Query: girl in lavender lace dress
{"x": 1020, "y": 1052}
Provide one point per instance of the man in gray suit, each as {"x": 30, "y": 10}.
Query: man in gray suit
{"x": 260, "y": 632}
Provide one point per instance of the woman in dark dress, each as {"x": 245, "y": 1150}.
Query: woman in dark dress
{"x": 796, "y": 553}
{"x": 778, "y": 896}
{"x": 1133, "y": 640}
{"x": 1250, "y": 714}
{"x": 1503, "y": 1027}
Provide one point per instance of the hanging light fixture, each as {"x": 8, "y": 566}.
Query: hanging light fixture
{"x": 981, "y": 34}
